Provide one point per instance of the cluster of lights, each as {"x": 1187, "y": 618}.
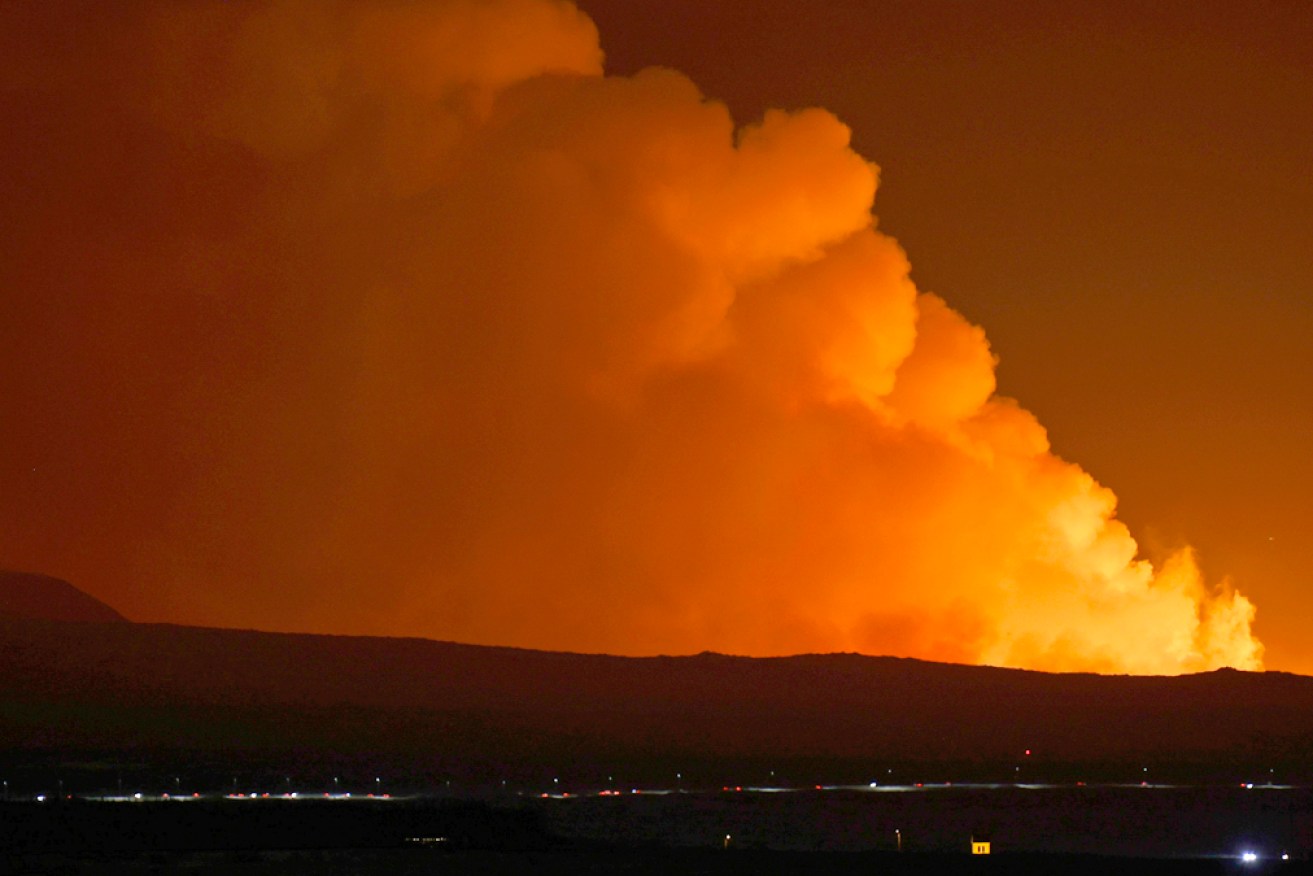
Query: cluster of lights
{"x": 564, "y": 795}
{"x": 139, "y": 796}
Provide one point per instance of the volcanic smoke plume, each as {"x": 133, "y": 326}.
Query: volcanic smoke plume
{"x": 403, "y": 318}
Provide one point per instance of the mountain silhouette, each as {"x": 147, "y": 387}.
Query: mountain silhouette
{"x": 444, "y": 708}
{"x": 28, "y": 595}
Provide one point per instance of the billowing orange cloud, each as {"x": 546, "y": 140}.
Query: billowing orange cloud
{"x": 448, "y": 334}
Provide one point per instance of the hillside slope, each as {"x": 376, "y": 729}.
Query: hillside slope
{"x": 29, "y": 595}
{"x": 150, "y": 687}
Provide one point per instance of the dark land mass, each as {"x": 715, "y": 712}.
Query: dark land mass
{"x": 114, "y": 693}
{"x": 28, "y": 595}
{"x": 104, "y": 828}
{"x": 656, "y": 862}
{"x": 456, "y": 837}
{"x": 92, "y": 704}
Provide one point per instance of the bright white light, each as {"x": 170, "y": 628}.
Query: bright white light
{"x": 1285, "y": 856}
{"x": 136, "y": 796}
{"x": 1249, "y": 857}
{"x": 40, "y": 798}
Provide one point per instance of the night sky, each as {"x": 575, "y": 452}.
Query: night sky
{"x": 346, "y": 318}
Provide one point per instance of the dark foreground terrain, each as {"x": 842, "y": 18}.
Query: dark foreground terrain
{"x": 1033, "y": 830}
{"x": 638, "y": 862}
{"x": 811, "y": 764}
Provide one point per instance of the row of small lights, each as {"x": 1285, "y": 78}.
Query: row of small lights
{"x": 1247, "y": 857}
{"x": 234, "y": 795}
{"x": 1080, "y": 784}
{"x": 556, "y": 782}
{"x": 605, "y": 792}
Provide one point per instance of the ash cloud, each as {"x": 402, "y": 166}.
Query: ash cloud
{"x": 403, "y": 318}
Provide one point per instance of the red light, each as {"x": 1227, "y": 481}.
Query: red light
{"x": 1027, "y": 752}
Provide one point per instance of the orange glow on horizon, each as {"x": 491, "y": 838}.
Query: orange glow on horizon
{"x": 501, "y": 349}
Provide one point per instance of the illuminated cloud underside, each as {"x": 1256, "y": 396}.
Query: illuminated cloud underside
{"x": 531, "y": 355}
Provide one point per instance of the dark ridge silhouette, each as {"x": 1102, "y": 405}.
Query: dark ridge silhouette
{"x": 28, "y": 595}
{"x": 492, "y": 711}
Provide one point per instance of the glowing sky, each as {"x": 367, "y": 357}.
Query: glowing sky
{"x": 403, "y": 319}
